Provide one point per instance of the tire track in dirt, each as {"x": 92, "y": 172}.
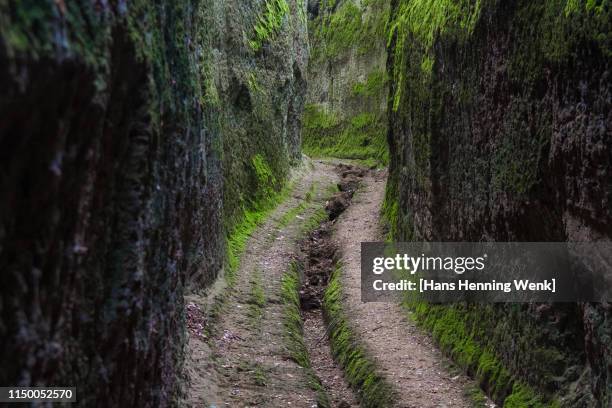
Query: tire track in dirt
{"x": 318, "y": 261}
{"x": 246, "y": 363}
{"x": 406, "y": 357}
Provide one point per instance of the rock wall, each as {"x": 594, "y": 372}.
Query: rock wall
{"x": 501, "y": 129}
{"x": 346, "y": 103}
{"x": 261, "y": 82}
{"x": 127, "y": 140}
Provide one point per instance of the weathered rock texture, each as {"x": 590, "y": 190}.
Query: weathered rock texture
{"x": 501, "y": 129}
{"x": 115, "y": 154}
{"x": 347, "y": 92}
{"x": 261, "y": 83}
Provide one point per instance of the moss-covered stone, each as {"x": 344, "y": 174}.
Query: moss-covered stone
{"x": 142, "y": 143}
{"x": 345, "y": 116}
{"x": 496, "y": 109}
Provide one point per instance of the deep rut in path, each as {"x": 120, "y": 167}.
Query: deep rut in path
{"x": 261, "y": 350}
{"x": 245, "y": 360}
{"x": 318, "y": 259}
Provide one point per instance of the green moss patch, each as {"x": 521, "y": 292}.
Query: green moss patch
{"x": 359, "y": 368}
{"x": 361, "y": 137}
{"x": 459, "y": 333}
{"x": 346, "y": 26}
{"x": 415, "y": 25}
{"x": 345, "y": 33}
{"x": 375, "y": 84}
{"x": 294, "y": 339}
{"x": 268, "y": 196}
{"x": 269, "y": 22}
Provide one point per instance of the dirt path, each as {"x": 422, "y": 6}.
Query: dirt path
{"x": 247, "y": 363}
{"x": 406, "y": 357}
{"x": 330, "y": 374}
{"x": 245, "y": 360}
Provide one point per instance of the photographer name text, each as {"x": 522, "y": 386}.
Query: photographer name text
{"x": 430, "y": 285}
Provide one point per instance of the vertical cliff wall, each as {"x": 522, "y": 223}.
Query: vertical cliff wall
{"x": 500, "y": 129}
{"x": 259, "y": 63}
{"x": 116, "y": 154}
{"x": 345, "y": 114}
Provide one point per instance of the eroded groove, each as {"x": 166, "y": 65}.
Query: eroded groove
{"x": 318, "y": 261}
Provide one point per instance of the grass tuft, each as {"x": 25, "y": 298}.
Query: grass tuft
{"x": 359, "y": 368}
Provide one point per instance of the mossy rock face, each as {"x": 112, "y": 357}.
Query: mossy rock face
{"x": 138, "y": 135}
{"x": 346, "y": 103}
{"x": 500, "y": 130}
{"x": 260, "y": 72}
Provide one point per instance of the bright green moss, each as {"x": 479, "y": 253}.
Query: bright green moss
{"x": 374, "y": 86}
{"x": 373, "y": 31}
{"x": 427, "y": 65}
{"x": 250, "y": 218}
{"x": 576, "y": 6}
{"x": 523, "y": 397}
{"x": 269, "y": 23}
{"x": 343, "y": 29}
{"x": 424, "y": 21}
{"x": 359, "y": 368}
{"x": 459, "y": 331}
{"x": 265, "y": 178}
{"x": 427, "y": 19}
{"x": 268, "y": 195}
{"x": 361, "y": 137}
{"x": 390, "y": 214}
{"x": 349, "y": 26}
{"x": 316, "y": 118}
{"x": 362, "y": 120}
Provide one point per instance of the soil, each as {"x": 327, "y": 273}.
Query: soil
{"x": 240, "y": 359}
{"x": 331, "y": 375}
{"x": 406, "y": 357}
{"x": 318, "y": 257}
{"x": 245, "y": 362}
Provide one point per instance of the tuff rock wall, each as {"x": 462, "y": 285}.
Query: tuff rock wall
{"x": 501, "y": 129}
{"x": 345, "y": 113}
{"x": 128, "y": 132}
